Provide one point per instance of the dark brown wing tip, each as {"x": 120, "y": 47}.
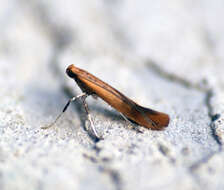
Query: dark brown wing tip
{"x": 151, "y": 119}
{"x": 162, "y": 121}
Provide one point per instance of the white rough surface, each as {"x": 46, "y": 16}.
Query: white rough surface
{"x": 165, "y": 55}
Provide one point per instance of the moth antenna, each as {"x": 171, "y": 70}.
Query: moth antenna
{"x": 64, "y": 109}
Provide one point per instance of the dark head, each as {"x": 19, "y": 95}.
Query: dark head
{"x": 71, "y": 71}
{"x": 79, "y": 76}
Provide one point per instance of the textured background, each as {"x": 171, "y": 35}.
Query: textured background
{"x": 166, "y": 55}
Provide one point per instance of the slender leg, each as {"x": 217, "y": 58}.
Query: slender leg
{"x": 125, "y": 118}
{"x": 89, "y": 117}
{"x": 129, "y": 122}
{"x": 65, "y": 108}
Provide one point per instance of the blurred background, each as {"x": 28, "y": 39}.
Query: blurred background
{"x": 165, "y": 55}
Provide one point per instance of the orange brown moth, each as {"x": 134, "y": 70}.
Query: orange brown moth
{"x": 91, "y": 85}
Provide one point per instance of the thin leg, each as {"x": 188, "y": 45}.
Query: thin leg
{"x": 126, "y": 119}
{"x": 89, "y": 117}
{"x": 65, "y": 108}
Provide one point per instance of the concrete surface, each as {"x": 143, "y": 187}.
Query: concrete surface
{"x": 164, "y": 55}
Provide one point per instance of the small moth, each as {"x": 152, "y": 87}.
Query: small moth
{"x": 91, "y": 85}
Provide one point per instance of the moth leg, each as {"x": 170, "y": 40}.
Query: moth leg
{"x": 90, "y": 118}
{"x": 125, "y": 118}
{"x": 64, "y": 109}
{"x": 131, "y": 123}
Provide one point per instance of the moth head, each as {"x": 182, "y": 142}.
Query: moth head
{"x": 71, "y": 71}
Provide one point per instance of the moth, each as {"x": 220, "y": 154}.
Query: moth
{"x": 91, "y": 85}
